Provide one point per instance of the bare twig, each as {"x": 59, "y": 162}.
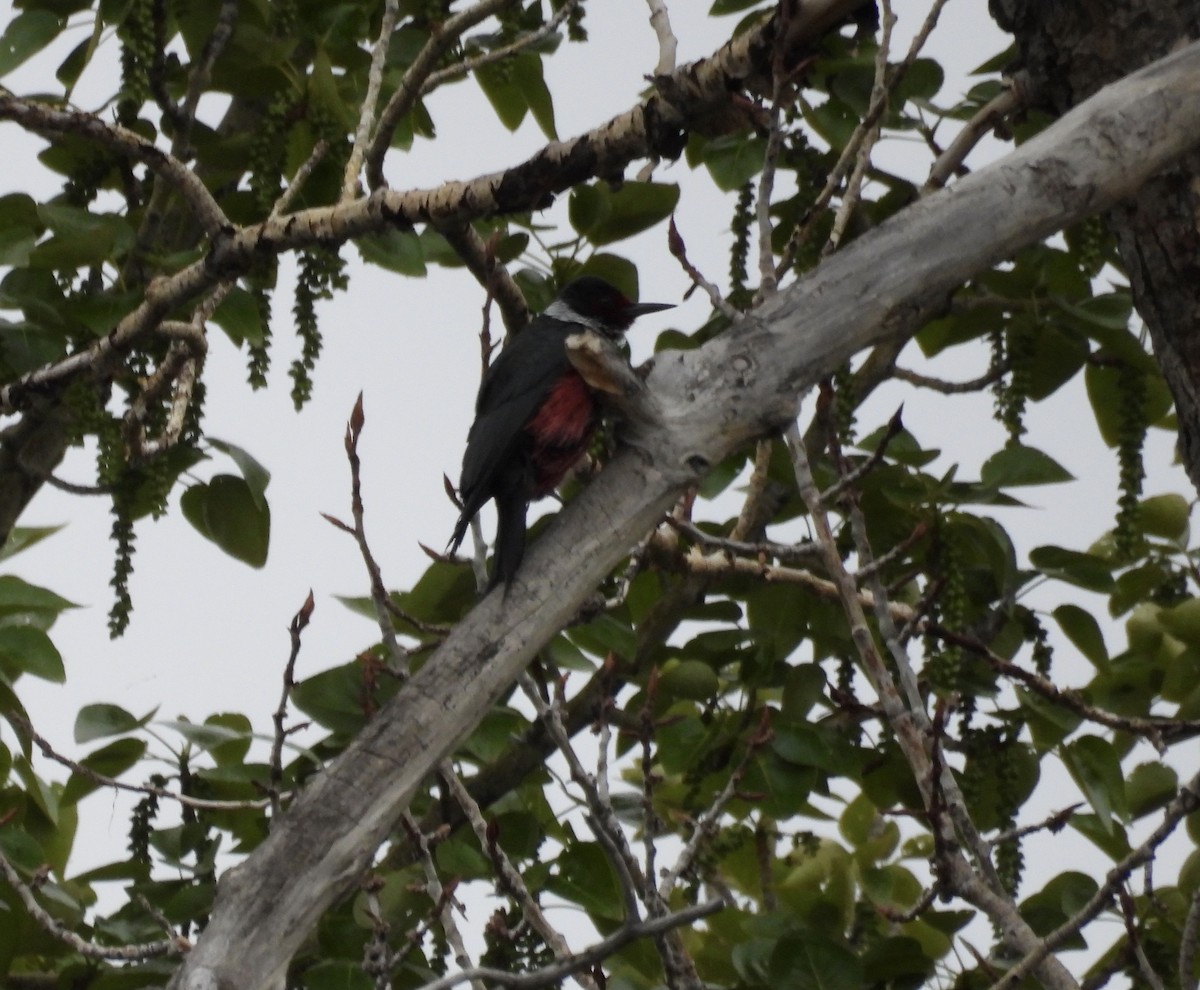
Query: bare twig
{"x": 786, "y": 552}
{"x": 985, "y": 119}
{"x": 880, "y": 91}
{"x": 89, "y": 949}
{"x": 300, "y": 178}
{"x": 54, "y": 122}
{"x": 1129, "y": 916}
{"x": 443, "y": 900}
{"x": 525, "y": 41}
{"x": 1156, "y": 730}
{"x": 750, "y": 518}
{"x": 660, "y": 20}
{"x": 366, "y": 116}
{"x": 442, "y": 37}
{"x": 849, "y": 154}
{"x": 848, "y": 479}
{"x": 989, "y": 377}
{"x": 185, "y": 800}
{"x": 201, "y": 73}
{"x": 1183, "y": 804}
{"x": 679, "y": 250}
{"x": 397, "y": 654}
{"x": 295, "y": 628}
{"x": 913, "y": 733}
{"x": 510, "y": 878}
{"x": 553, "y": 974}
{"x": 1052, "y": 823}
{"x": 480, "y": 259}
{"x": 923, "y": 904}
{"x": 708, "y": 823}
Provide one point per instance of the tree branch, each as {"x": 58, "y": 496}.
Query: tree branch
{"x": 736, "y": 387}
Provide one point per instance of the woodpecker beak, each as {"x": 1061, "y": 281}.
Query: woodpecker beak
{"x": 641, "y": 309}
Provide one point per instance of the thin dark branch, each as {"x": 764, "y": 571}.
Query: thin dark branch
{"x": 295, "y": 628}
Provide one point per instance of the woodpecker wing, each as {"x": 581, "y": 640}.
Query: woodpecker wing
{"x": 512, "y": 390}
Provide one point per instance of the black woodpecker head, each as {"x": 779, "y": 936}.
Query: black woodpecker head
{"x": 594, "y": 303}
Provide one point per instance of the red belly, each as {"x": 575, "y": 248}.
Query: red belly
{"x": 560, "y": 431}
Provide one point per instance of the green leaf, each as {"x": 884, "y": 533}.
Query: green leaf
{"x": 26, "y": 35}
{"x": 80, "y": 238}
{"x": 19, "y": 598}
{"x": 613, "y": 269}
{"x": 16, "y": 243}
{"x": 803, "y": 686}
{"x": 23, "y": 537}
{"x": 902, "y": 960}
{"x": 527, "y": 74}
{"x": 227, "y": 511}
{"x": 255, "y": 475}
{"x": 336, "y": 699}
{"x": 721, "y": 7}
{"x": 239, "y": 316}
{"x": 324, "y": 95}
{"x": 1165, "y": 516}
{"x": 603, "y": 216}
{"x": 1083, "y": 569}
{"x": 1150, "y": 786}
{"x": 21, "y": 849}
{"x": 100, "y": 720}
{"x": 337, "y": 974}
{"x": 734, "y": 160}
{"x": 689, "y": 679}
{"x": 587, "y": 206}
{"x": 398, "y": 251}
{"x": 217, "y": 731}
{"x": 108, "y": 761}
{"x": 1183, "y": 621}
{"x": 1057, "y": 901}
{"x": 811, "y": 961}
{"x": 1096, "y": 768}
{"x": 582, "y": 875}
{"x": 28, "y": 650}
{"x": 503, "y": 93}
{"x": 1019, "y": 465}
{"x": 635, "y": 207}
{"x": 1083, "y": 630}
{"x": 1108, "y": 400}
{"x": 814, "y": 746}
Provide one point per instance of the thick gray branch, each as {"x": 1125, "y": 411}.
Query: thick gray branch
{"x": 739, "y": 386}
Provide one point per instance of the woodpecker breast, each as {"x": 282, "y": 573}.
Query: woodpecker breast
{"x": 560, "y": 431}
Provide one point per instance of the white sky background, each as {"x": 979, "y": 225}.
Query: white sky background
{"x": 209, "y": 634}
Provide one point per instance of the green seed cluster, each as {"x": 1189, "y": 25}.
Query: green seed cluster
{"x": 260, "y": 352}
{"x": 1131, "y": 439}
{"x": 992, "y": 778}
{"x": 141, "y": 823}
{"x": 1011, "y": 393}
{"x": 844, "y": 404}
{"x": 944, "y": 665}
{"x": 136, "y": 34}
{"x": 322, "y": 271}
{"x": 268, "y": 151}
{"x": 739, "y": 253}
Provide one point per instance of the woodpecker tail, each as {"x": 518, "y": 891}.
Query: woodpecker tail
{"x": 510, "y": 539}
{"x": 460, "y": 531}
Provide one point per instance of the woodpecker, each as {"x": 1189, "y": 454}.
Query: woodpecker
{"x": 535, "y": 415}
